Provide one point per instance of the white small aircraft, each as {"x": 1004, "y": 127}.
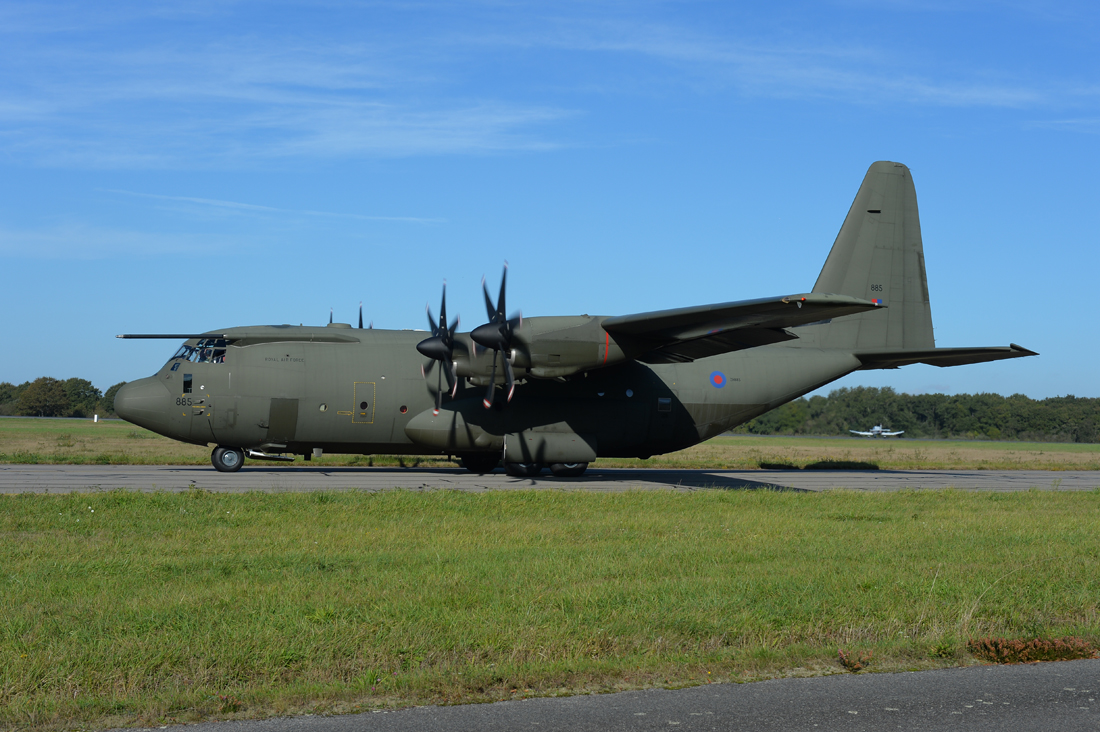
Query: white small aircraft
{"x": 877, "y": 431}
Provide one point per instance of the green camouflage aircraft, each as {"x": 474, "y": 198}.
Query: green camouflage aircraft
{"x": 558, "y": 391}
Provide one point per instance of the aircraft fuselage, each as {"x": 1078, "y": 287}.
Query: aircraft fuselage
{"x": 368, "y": 396}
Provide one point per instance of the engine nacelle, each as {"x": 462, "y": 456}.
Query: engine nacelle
{"x": 547, "y": 348}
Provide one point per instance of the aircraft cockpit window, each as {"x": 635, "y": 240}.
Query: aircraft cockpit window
{"x": 208, "y": 350}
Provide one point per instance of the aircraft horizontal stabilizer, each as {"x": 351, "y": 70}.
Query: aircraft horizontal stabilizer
{"x": 685, "y": 334}
{"x": 941, "y": 356}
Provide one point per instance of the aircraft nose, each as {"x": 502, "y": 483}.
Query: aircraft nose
{"x": 142, "y": 402}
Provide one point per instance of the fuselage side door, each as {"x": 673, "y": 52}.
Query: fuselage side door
{"x": 365, "y": 394}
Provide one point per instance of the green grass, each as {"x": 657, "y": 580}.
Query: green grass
{"x": 122, "y": 608}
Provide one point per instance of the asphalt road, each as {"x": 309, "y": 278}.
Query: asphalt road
{"x": 67, "y": 478}
{"x": 1050, "y": 696}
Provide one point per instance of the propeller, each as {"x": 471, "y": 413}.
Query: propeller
{"x": 440, "y": 347}
{"x": 497, "y": 335}
{"x": 330, "y": 316}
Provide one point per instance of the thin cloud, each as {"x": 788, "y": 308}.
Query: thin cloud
{"x": 1087, "y": 125}
{"x": 83, "y": 242}
{"x": 215, "y": 98}
{"x": 236, "y": 99}
{"x": 251, "y": 207}
{"x": 783, "y": 70}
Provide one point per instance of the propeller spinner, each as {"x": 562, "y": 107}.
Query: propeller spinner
{"x": 497, "y": 336}
{"x": 440, "y": 347}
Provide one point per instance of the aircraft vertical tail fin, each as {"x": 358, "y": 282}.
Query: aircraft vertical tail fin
{"x": 879, "y": 255}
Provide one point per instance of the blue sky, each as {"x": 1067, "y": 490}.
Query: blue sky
{"x": 174, "y": 169}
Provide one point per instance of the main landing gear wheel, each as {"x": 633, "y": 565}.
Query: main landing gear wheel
{"x": 568, "y": 470}
{"x": 523, "y": 470}
{"x": 227, "y": 459}
{"x": 480, "y": 462}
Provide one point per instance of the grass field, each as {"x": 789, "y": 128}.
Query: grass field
{"x": 116, "y": 442}
{"x": 125, "y": 608}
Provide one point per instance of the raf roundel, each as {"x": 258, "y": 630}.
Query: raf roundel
{"x": 718, "y": 379}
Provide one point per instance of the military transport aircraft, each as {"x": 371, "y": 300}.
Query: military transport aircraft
{"x": 558, "y": 392}
{"x": 877, "y": 431}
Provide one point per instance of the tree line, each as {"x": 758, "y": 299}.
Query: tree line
{"x": 969, "y": 416}
{"x": 50, "y": 397}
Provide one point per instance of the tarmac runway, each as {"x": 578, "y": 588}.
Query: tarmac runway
{"x": 68, "y": 478}
{"x": 1048, "y": 696}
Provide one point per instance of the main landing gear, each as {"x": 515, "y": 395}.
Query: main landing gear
{"x": 558, "y": 470}
{"x": 486, "y": 462}
{"x": 568, "y": 470}
{"x": 227, "y": 459}
{"x": 523, "y": 470}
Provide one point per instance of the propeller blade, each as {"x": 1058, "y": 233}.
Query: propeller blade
{"x": 360, "y": 315}
{"x": 488, "y": 401}
{"x": 510, "y": 380}
{"x": 500, "y": 300}
{"x": 489, "y": 308}
{"x": 443, "y": 308}
{"x": 452, "y": 378}
{"x": 431, "y": 320}
{"x": 440, "y": 347}
{"x": 438, "y": 392}
{"x": 330, "y": 316}
{"x": 496, "y": 335}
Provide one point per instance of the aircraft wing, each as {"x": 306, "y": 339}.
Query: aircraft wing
{"x": 251, "y": 336}
{"x": 685, "y": 334}
{"x": 941, "y": 356}
{"x": 893, "y": 434}
{"x": 862, "y": 434}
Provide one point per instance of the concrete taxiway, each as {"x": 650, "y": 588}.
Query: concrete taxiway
{"x": 67, "y": 478}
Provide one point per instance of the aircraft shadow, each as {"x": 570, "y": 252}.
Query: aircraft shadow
{"x": 617, "y": 478}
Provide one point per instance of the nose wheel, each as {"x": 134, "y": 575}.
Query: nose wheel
{"x": 227, "y": 459}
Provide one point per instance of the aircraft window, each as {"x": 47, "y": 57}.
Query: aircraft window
{"x": 208, "y": 350}
{"x": 187, "y": 383}
{"x": 664, "y": 404}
